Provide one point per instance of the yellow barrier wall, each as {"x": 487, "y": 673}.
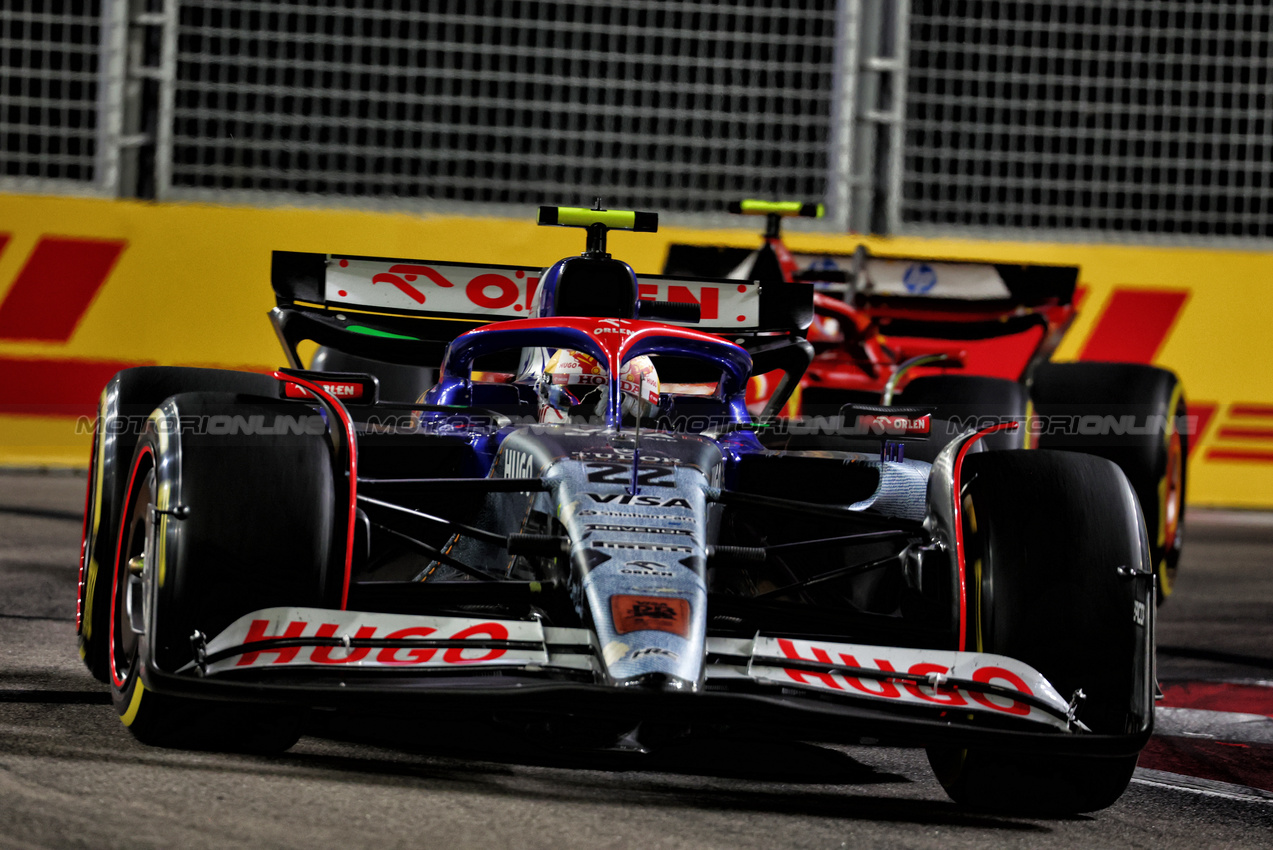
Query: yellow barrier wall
{"x": 89, "y": 286}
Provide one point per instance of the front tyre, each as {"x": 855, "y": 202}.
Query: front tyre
{"x": 1058, "y": 577}
{"x": 233, "y": 519}
{"x": 125, "y": 403}
{"x": 1030, "y": 784}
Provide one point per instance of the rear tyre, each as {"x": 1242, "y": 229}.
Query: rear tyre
{"x": 398, "y": 381}
{"x": 215, "y": 527}
{"x": 1046, "y": 536}
{"x": 1153, "y": 457}
{"x": 126, "y": 402}
{"x": 975, "y": 401}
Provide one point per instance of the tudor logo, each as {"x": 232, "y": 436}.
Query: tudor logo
{"x": 625, "y": 456}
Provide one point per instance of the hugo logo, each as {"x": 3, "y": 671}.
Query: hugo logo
{"x": 518, "y": 464}
{"x": 260, "y": 630}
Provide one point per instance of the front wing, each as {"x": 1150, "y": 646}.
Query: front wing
{"x": 832, "y": 690}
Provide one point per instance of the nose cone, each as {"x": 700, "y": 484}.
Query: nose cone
{"x": 638, "y": 554}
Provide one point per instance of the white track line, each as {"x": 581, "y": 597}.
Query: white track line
{"x": 1230, "y": 726}
{"x": 1205, "y": 787}
{"x": 1228, "y": 517}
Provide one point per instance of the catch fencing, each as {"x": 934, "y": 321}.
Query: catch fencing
{"x": 1125, "y": 120}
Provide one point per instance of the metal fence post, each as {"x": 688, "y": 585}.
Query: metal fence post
{"x": 110, "y": 94}
{"x": 145, "y": 140}
{"x": 843, "y": 134}
{"x": 878, "y": 115}
{"x": 896, "y": 162}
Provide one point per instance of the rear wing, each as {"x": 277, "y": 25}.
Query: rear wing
{"x": 869, "y": 276}
{"x": 876, "y": 277}
{"x": 406, "y": 311}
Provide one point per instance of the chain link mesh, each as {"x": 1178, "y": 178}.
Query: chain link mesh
{"x": 1128, "y": 118}
{"x": 1131, "y": 119}
{"x": 673, "y": 106}
{"x": 49, "y": 53}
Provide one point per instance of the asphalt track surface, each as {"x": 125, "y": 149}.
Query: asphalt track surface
{"x": 71, "y": 775}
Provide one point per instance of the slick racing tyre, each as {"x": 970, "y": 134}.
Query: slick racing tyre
{"x": 1058, "y": 577}
{"x": 973, "y": 401}
{"x": 129, "y": 397}
{"x": 214, "y": 527}
{"x": 1101, "y": 398}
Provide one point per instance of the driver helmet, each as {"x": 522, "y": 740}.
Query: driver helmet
{"x": 572, "y": 380}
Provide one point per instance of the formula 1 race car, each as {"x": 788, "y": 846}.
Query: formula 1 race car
{"x": 974, "y": 339}
{"x": 581, "y": 527}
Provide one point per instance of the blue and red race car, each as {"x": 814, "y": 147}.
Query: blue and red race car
{"x": 581, "y": 524}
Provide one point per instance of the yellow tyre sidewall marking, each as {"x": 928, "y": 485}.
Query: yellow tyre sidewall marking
{"x": 1169, "y": 432}
{"x": 134, "y": 702}
{"x": 90, "y": 582}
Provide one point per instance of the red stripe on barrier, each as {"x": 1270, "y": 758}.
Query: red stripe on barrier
{"x": 1247, "y": 433}
{"x": 4, "y": 240}
{"x": 68, "y": 387}
{"x": 38, "y": 387}
{"x": 1252, "y": 455}
{"x": 56, "y": 286}
{"x": 1262, "y": 410}
{"x": 1134, "y": 325}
